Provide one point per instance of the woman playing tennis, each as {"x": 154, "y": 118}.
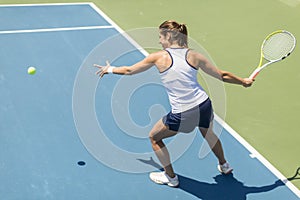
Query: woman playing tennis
{"x": 191, "y": 106}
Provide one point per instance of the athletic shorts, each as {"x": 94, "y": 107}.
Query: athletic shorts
{"x": 187, "y": 121}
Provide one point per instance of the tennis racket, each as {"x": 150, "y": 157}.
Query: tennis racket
{"x": 276, "y": 47}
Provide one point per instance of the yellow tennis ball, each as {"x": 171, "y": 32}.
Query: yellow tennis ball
{"x": 31, "y": 70}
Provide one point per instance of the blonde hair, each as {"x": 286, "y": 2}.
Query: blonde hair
{"x": 178, "y": 32}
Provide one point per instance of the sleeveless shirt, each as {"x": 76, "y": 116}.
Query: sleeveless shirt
{"x": 180, "y": 81}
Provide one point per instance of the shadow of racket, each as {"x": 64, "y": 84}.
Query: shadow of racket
{"x": 296, "y": 176}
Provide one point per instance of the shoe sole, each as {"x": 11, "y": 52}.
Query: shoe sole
{"x": 168, "y": 184}
{"x": 162, "y": 183}
{"x": 228, "y": 172}
{"x": 174, "y": 186}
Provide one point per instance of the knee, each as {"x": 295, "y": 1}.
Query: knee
{"x": 203, "y": 132}
{"x": 153, "y": 139}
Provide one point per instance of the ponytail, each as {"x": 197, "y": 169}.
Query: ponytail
{"x": 178, "y": 32}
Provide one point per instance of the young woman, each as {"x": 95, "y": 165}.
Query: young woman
{"x": 191, "y": 106}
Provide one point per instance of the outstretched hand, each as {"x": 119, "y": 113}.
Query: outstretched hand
{"x": 102, "y": 69}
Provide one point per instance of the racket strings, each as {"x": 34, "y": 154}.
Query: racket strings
{"x": 278, "y": 46}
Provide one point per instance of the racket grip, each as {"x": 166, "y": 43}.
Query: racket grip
{"x": 254, "y": 74}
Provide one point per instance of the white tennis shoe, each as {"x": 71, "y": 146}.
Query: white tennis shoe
{"x": 225, "y": 168}
{"x": 163, "y": 179}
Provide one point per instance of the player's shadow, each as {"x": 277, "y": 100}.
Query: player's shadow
{"x": 296, "y": 176}
{"x": 226, "y": 187}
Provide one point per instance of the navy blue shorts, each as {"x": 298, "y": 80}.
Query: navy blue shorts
{"x": 187, "y": 121}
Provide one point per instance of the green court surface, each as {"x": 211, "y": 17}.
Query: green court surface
{"x": 265, "y": 115}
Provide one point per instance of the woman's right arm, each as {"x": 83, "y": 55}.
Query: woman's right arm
{"x": 204, "y": 64}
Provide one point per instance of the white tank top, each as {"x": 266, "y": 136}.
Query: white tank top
{"x": 180, "y": 81}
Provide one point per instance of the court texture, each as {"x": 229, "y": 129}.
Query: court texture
{"x": 66, "y": 134}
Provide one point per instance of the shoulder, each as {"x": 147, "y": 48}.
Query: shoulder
{"x": 195, "y": 58}
{"x": 161, "y": 59}
{"x": 158, "y": 54}
{"x": 195, "y": 54}
{"x": 153, "y": 57}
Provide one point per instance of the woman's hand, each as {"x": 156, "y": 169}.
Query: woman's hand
{"x": 102, "y": 69}
{"x": 247, "y": 82}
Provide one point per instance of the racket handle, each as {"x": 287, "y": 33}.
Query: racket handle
{"x": 254, "y": 74}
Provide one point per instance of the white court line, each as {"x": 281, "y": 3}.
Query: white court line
{"x": 55, "y": 29}
{"x": 134, "y": 43}
{"x": 114, "y": 25}
{"x": 255, "y": 154}
{"x": 241, "y": 140}
{"x": 52, "y": 29}
{"x": 44, "y": 4}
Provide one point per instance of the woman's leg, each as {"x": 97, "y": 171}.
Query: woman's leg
{"x": 214, "y": 142}
{"x": 159, "y": 132}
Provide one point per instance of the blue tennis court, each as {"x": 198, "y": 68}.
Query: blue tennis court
{"x": 66, "y": 134}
